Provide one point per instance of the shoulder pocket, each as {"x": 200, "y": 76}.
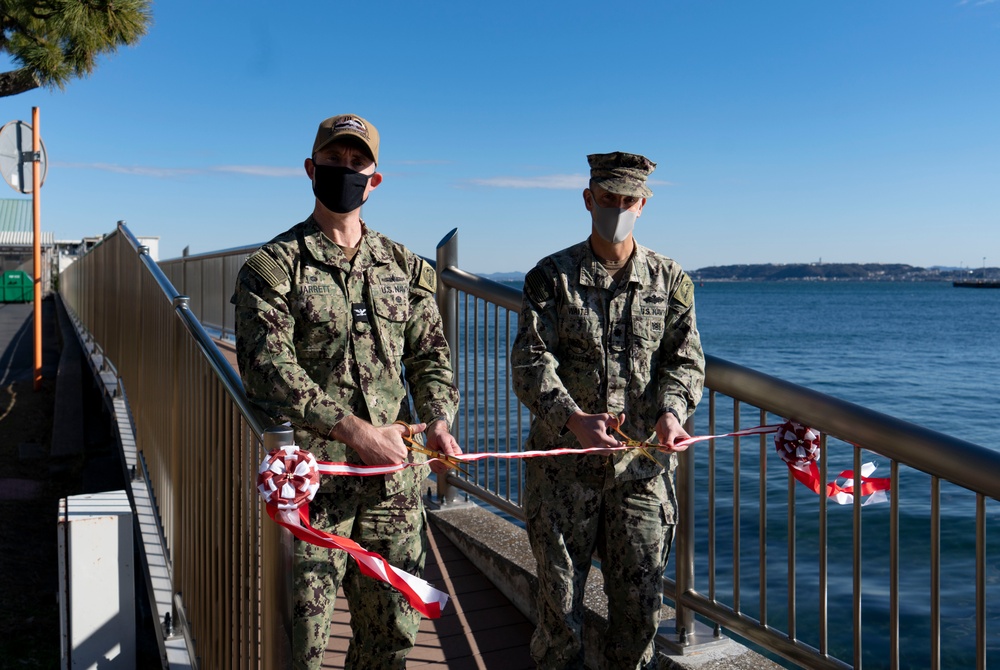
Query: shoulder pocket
{"x": 264, "y": 265}
{"x": 536, "y": 287}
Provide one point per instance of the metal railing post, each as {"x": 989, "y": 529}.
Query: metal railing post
{"x": 277, "y": 577}
{"x": 447, "y": 300}
{"x": 684, "y": 537}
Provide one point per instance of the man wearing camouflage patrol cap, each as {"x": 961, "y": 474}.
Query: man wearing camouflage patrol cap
{"x": 606, "y": 340}
{"x": 333, "y": 321}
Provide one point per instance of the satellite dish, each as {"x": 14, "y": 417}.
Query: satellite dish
{"x": 16, "y": 157}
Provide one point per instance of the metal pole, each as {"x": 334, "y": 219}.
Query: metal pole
{"x": 36, "y": 176}
{"x": 684, "y": 543}
{"x": 277, "y": 577}
{"x": 447, "y": 257}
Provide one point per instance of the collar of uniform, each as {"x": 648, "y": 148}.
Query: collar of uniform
{"x": 327, "y": 251}
{"x": 638, "y": 268}
{"x": 319, "y": 245}
{"x": 589, "y": 274}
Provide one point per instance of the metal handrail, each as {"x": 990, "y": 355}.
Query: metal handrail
{"x": 949, "y": 461}
{"x": 200, "y": 441}
{"x": 944, "y": 458}
{"x": 968, "y": 465}
{"x": 206, "y": 345}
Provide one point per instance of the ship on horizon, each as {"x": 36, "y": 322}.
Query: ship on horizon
{"x": 982, "y": 282}
{"x": 975, "y": 283}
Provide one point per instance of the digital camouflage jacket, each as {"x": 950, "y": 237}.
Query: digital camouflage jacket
{"x": 584, "y": 343}
{"x": 319, "y": 337}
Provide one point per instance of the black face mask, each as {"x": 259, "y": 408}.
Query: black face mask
{"x": 340, "y": 189}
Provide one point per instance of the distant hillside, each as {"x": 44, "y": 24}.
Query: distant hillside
{"x": 505, "y": 276}
{"x": 834, "y": 272}
{"x": 813, "y": 272}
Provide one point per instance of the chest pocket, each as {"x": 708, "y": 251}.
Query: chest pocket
{"x": 391, "y": 309}
{"x": 320, "y": 326}
{"x": 648, "y": 330}
{"x": 649, "y": 319}
{"x": 649, "y": 314}
{"x": 581, "y": 339}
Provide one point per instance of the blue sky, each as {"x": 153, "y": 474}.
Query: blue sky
{"x": 784, "y": 131}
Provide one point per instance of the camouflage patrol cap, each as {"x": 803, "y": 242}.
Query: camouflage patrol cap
{"x": 347, "y": 126}
{"x": 621, "y": 173}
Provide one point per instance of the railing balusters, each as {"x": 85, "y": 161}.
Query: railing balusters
{"x": 180, "y": 395}
{"x": 856, "y": 558}
{"x": 980, "y": 582}
{"x": 762, "y": 525}
{"x": 737, "y": 473}
{"x": 791, "y": 563}
{"x": 824, "y": 593}
{"x": 935, "y": 573}
{"x": 894, "y": 569}
{"x": 712, "y": 430}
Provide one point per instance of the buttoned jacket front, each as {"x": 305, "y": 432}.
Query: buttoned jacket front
{"x": 588, "y": 343}
{"x": 320, "y": 337}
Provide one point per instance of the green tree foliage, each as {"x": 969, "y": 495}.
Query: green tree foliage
{"x": 52, "y": 41}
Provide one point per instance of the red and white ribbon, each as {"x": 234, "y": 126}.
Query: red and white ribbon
{"x": 426, "y": 599}
{"x": 798, "y": 446}
{"x": 288, "y": 479}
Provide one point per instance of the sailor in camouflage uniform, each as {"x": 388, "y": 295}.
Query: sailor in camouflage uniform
{"x": 333, "y": 321}
{"x": 606, "y": 338}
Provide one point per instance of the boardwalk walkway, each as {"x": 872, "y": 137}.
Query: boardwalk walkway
{"x": 480, "y": 628}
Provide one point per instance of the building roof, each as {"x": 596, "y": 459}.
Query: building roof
{"x": 15, "y": 215}
{"x": 17, "y": 224}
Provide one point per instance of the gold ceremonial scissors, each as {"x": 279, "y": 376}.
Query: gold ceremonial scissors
{"x": 643, "y": 447}
{"x": 418, "y": 448}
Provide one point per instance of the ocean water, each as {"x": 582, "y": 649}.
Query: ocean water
{"x": 924, "y": 352}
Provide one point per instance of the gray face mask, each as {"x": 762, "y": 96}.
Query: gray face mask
{"x": 613, "y": 224}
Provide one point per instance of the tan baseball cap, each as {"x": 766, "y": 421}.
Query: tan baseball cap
{"x": 347, "y": 126}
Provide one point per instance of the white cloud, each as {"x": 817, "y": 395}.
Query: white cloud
{"x": 552, "y": 182}
{"x": 420, "y": 162}
{"x": 555, "y": 181}
{"x": 260, "y": 170}
{"x": 170, "y": 173}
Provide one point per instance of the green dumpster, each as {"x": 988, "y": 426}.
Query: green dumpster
{"x": 17, "y": 286}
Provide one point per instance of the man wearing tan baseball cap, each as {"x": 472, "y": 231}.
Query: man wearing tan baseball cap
{"x": 333, "y": 321}
{"x": 347, "y": 127}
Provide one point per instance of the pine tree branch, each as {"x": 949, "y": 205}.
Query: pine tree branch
{"x": 17, "y": 81}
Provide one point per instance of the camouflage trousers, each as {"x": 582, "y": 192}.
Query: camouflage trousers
{"x": 384, "y": 624}
{"x": 568, "y": 522}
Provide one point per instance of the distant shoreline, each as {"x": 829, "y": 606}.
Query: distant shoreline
{"x": 840, "y": 272}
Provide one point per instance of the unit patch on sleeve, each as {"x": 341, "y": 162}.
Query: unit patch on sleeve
{"x": 684, "y": 294}
{"x": 427, "y": 278}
